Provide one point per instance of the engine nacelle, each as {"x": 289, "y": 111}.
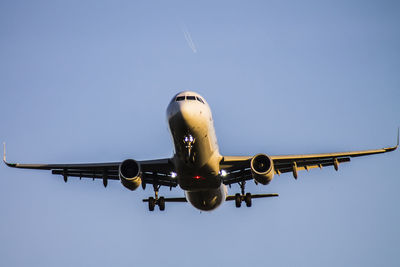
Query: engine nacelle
{"x": 262, "y": 168}
{"x": 130, "y": 174}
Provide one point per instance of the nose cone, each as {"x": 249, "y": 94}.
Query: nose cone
{"x": 187, "y": 111}
{"x": 188, "y": 108}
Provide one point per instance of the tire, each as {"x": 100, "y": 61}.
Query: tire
{"x": 161, "y": 203}
{"x": 247, "y": 199}
{"x": 152, "y": 203}
{"x": 238, "y": 200}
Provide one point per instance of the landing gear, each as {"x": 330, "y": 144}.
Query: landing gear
{"x": 189, "y": 141}
{"x": 247, "y": 199}
{"x": 238, "y": 200}
{"x": 242, "y": 197}
{"x": 153, "y": 201}
{"x": 161, "y": 203}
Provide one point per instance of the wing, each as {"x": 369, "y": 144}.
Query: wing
{"x": 155, "y": 172}
{"x": 238, "y": 168}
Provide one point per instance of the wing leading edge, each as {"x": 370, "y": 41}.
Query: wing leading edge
{"x": 155, "y": 172}
{"x": 238, "y": 167}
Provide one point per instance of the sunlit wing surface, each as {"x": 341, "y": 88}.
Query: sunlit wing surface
{"x": 157, "y": 172}
{"x": 238, "y": 167}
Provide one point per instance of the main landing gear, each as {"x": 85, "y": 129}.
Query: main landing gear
{"x": 153, "y": 201}
{"x": 242, "y": 197}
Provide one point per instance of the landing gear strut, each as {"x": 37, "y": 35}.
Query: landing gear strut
{"x": 153, "y": 201}
{"x": 242, "y": 197}
{"x": 189, "y": 141}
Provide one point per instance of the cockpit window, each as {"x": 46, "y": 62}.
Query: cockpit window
{"x": 189, "y": 97}
{"x": 199, "y": 99}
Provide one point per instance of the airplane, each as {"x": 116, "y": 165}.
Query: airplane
{"x": 197, "y": 165}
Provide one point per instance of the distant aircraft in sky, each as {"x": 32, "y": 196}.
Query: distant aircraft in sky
{"x": 197, "y": 166}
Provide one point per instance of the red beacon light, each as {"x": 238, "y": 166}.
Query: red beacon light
{"x": 197, "y": 177}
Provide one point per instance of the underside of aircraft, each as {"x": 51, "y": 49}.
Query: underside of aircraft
{"x": 197, "y": 165}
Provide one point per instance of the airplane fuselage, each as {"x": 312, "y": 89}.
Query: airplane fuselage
{"x": 196, "y": 154}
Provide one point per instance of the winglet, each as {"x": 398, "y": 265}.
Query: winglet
{"x": 4, "y": 157}
{"x": 4, "y": 152}
{"x": 393, "y": 148}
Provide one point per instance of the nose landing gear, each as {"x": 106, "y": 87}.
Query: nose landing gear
{"x": 189, "y": 141}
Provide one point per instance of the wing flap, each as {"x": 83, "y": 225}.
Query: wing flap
{"x": 307, "y": 165}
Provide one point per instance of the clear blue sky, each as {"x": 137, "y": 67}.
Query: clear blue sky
{"x": 89, "y": 81}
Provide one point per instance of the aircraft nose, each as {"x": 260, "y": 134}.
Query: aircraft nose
{"x": 186, "y": 112}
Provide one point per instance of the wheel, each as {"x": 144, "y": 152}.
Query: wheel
{"x": 238, "y": 200}
{"x": 161, "y": 203}
{"x": 152, "y": 203}
{"x": 247, "y": 199}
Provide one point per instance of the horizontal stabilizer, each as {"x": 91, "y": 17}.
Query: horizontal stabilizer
{"x": 229, "y": 198}
{"x": 172, "y": 199}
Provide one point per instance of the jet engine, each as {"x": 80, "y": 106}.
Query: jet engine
{"x": 130, "y": 174}
{"x": 262, "y": 168}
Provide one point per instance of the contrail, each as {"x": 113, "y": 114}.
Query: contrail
{"x": 189, "y": 40}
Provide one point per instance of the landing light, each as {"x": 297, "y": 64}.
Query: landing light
{"x": 173, "y": 175}
{"x": 223, "y": 173}
{"x": 188, "y": 138}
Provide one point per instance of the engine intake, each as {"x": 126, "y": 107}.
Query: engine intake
{"x": 130, "y": 174}
{"x": 262, "y": 168}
